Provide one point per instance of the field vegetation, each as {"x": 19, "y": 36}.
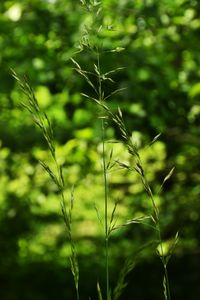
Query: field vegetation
{"x": 99, "y": 149}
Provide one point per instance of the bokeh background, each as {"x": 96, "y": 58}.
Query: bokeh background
{"x": 162, "y": 81}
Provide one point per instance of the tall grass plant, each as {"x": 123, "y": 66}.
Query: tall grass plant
{"x": 92, "y": 42}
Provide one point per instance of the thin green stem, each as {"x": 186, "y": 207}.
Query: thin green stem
{"x": 105, "y": 211}
{"x": 105, "y": 181}
{"x": 67, "y": 220}
{"x": 77, "y": 293}
{"x": 167, "y": 294}
{"x": 157, "y": 223}
{"x": 167, "y": 282}
{"x": 156, "y": 219}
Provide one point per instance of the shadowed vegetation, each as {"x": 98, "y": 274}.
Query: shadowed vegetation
{"x": 96, "y": 157}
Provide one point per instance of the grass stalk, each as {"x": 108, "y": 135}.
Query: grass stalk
{"x": 95, "y": 80}
{"x": 138, "y": 167}
{"x": 105, "y": 210}
{"x": 94, "y": 8}
{"x": 42, "y": 121}
{"x": 166, "y": 285}
{"x": 100, "y": 98}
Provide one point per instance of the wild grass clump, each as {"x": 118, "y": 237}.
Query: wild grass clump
{"x": 92, "y": 42}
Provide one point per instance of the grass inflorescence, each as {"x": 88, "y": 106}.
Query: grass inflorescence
{"x": 42, "y": 121}
{"x": 95, "y": 79}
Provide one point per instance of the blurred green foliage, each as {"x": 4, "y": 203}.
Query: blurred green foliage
{"x": 162, "y": 81}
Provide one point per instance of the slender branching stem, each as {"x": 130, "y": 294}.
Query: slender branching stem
{"x": 100, "y": 96}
